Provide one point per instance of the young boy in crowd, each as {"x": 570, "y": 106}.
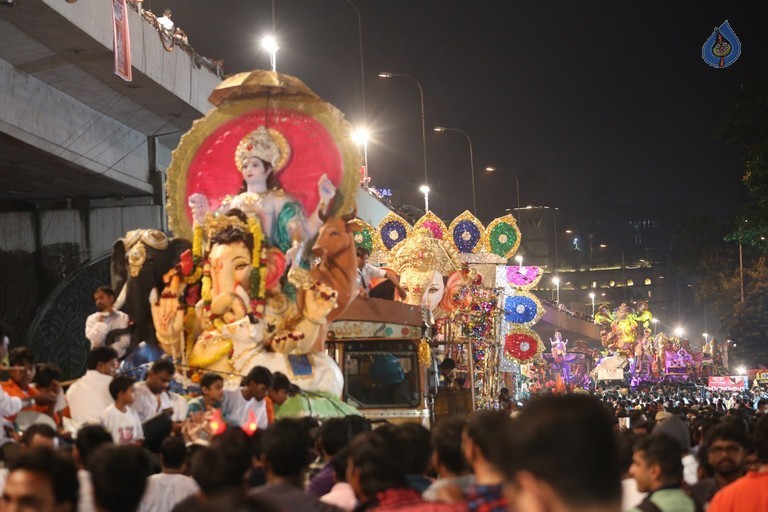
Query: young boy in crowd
{"x": 120, "y": 419}
{"x": 212, "y": 389}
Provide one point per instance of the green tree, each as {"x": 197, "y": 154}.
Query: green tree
{"x": 747, "y": 128}
{"x": 701, "y": 256}
{"x": 749, "y": 332}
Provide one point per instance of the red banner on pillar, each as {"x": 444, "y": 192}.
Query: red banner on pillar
{"x": 122, "y": 40}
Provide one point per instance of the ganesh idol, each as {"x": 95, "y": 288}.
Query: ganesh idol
{"x": 243, "y": 319}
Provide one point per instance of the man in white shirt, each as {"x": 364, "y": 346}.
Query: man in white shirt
{"x": 89, "y": 396}
{"x": 152, "y": 396}
{"x": 106, "y": 319}
{"x": 165, "y": 20}
{"x": 246, "y": 405}
{"x": 366, "y": 272}
{"x": 165, "y": 490}
{"x": 156, "y": 405}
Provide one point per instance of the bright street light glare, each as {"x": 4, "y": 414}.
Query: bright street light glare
{"x": 655, "y": 320}
{"x": 385, "y": 74}
{"x": 424, "y": 189}
{"x": 705, "y": 335}
{"x": 741, "y": 370}
{"x": 269, "y": 43}
{"x": 519, "y": 259}
{"x": 439, "y": 129}
{"x": 591, "y": 295}
{"x": 603, "y": 246}
{"x": 556, "y": 281}
{"x": 360, "y": 136}
{"x": 679, "y": 331}
{"x": 490, "y": 168}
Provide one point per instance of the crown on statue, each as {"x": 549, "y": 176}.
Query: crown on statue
{"x": 217, "y": 223}
{"x": 465, "y": 235}
{"x": 422, "y": 252}
{"x": 267, "y": 144}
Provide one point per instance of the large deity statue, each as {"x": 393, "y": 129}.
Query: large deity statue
{"x": 271, "y": 169}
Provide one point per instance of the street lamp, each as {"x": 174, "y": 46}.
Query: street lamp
{"x": 441, "y": 129}
{"x": 679, "y": 331}
{"x": 623, "y": 267}
{"x": 491, "y": 168}
{"x": 387, "y": 74}
{"x": 360, "y": 136}
{"x": 425, "y": 190}
{"x": 592, "y": 296}
{"x": 655, "y": 325}
{"x": 706, "y": 338}
{"x": 519, "y": 260}
{"x": 269, "y": 43}
{"x": 556, "y": 282}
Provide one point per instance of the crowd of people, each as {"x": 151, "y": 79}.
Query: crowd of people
{"x": 138, "y": 446}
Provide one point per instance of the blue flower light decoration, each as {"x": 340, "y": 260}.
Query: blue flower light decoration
{"x": 520, "y": 309}
{"x": 392, "y": 233}
{"x": 466, "y": 236}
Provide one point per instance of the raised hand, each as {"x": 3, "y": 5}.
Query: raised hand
{"x": 198, "y": 203}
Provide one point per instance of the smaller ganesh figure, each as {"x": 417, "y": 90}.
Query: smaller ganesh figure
{"x": 624, "y": 329}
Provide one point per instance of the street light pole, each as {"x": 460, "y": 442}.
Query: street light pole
{"x": 362, "y": 67}
{"x": 623, "y": 267}
{"x": 441, "y": 129}
{"x": 592, "y": 296}
{"x": 386, "y": 74}
{"x": 360, "y": 136}
{"x": 556, "y": 281}
{"x": 491, "y": 168}
{"x": 425, "y": 190}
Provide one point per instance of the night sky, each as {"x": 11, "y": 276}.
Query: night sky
{"x": 587, "y": 102}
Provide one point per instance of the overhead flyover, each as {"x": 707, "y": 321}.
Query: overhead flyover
{"x": 70, "y": 129}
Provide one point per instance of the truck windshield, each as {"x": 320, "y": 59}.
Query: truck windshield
{"x": 381, "y": 373}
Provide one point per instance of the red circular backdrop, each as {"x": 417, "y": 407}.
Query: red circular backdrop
{"x": 313, "y": 152}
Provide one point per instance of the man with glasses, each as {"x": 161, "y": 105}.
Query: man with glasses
{"x": 726, "y": 453}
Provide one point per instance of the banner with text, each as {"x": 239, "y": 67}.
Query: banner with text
{"x": 122, "y": 40}
{"x": 738, "y": 383}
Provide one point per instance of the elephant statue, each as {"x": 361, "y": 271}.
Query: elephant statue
{"x": 139, "y": 262}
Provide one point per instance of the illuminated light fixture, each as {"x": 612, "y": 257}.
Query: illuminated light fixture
{"x": 630, "y": 282}
{"x": 647, "y": 281}
{"x": 269, "y": 43}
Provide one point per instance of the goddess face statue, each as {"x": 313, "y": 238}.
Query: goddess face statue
{"x": 422, "y": 261}
{"x": 423, "y": 288}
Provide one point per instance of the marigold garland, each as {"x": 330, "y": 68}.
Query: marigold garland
{"x": 258, "y": 278}
{"x": 205, "y": 362}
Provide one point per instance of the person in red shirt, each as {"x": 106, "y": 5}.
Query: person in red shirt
{"x": 749, "y": 492}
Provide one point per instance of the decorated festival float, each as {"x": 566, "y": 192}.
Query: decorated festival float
{"x": 633, "y": 355}
{"x": 262, "y": 271}
{"x": 476, "y": 310}
{"x": 257, "y": 189}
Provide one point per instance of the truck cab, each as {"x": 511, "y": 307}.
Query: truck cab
{"x": 376, "y": 344}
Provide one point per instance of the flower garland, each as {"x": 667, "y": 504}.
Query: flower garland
{"x": 258, "y": 276}
{"x": 197, "y": 256}
{"x": 204, "y": 362}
